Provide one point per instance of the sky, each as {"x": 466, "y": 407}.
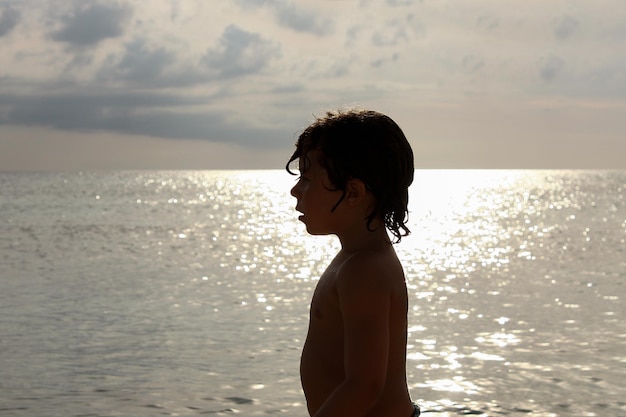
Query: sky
{"x": 197, "y": 84}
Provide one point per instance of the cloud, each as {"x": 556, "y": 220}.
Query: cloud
{"x": 240, "y": 53}
{"x": 89, "y": 24}
{"x": 79, "y": 110}
{"x": 145, "y": 114}
{"x": 293, "y": 16}
{"x": 378, "y": 63}
{"x": 565, "y": 27}
{"x": 551, "y": 67}
{"x": 487, "y": 22}
{"x": 395, "y": 3}
{"x": 140, "y": 63}
{"x": 399, "y": 31}
{"x": 390, "y": 37}
{"x": 472, "y": 63}
{"x": 147, "y": 63}
{"x": 251, "y": 71}
{"x": 9, "y": 17}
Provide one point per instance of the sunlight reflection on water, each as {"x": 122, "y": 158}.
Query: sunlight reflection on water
{"x": 480, "y": 242}
{"x": 151, "y": 289}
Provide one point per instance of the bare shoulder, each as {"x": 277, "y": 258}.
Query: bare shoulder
{"x": 377, "y": 268}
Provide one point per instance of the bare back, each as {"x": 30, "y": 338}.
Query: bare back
{"x": 356, "y": 341}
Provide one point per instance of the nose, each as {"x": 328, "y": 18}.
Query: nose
{"x": 295, "y": 191}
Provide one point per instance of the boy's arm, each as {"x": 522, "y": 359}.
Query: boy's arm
{"x": 365, "y": 300}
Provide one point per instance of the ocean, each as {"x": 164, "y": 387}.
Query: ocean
{"x": 183, "y": 293}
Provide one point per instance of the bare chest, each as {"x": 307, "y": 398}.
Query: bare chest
{"x": 325, "y": 301}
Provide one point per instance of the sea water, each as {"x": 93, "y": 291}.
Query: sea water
{"x": 186, "y": 293}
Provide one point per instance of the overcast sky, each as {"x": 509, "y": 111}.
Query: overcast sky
{"x": 197, "y": 84}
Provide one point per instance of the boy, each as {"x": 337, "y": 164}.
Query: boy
{"x": 355, "y": 170}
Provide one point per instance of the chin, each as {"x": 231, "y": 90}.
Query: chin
{"x": 317, "y": 232}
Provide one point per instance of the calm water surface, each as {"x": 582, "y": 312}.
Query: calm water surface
{"x": 186, "y": 293}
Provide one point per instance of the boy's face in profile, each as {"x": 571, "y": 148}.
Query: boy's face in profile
{"x": 315, "y": 196}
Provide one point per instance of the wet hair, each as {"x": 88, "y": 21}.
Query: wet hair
{"x": 364, "y": 145}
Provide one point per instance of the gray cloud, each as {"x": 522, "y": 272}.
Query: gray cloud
{"x": 240, "y": 53}
{"x": 134, "y": 114}
{"x": 388, "y": 37}
{"x": 9, "y": 17}
{"x": 487, "y": 22}
{"x": 255, "y": 3}
{"x": 84, "y": 104}
{"x": 565, "y": 27}
{"x": 88, "y": 24}
{"x": 100, "y": 54}
{"x": 401, "y": 2}
{"x": 140, "y": 63}
{"x": 551, "y": 67}
{"x": 472, "y": 63}
{"x": 293, "y": 16}
{"x": 143, "y": 62}
{"x": 378, "y": 63}
{"x": 399, "y": 31}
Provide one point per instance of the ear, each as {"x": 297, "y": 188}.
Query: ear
{"x": 355, "y": 191}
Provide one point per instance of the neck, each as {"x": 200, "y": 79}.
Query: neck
{"x": 361, "y": 238}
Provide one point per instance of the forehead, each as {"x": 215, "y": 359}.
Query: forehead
{"x": 310, "y": 162}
